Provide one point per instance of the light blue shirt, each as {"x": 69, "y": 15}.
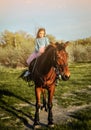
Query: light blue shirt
{"x": 41, "y": 42}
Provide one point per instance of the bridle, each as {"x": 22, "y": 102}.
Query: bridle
{"x": 58, "y": 66}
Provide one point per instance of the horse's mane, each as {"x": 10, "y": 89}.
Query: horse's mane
{"x": 60, "y": 46}
{"x": 46, "y": 59}
{"x": 57, "y": 46}
{"x": 48, "y": 47}
{"x": 51, "y": 49}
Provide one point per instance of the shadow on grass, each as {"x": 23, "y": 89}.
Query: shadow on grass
{"x": 8, "y": 93}
{"x": 12, "y": 110}
{"x": 82, "y": 119}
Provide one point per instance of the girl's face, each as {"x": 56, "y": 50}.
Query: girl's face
{"x": 41, "y": 34}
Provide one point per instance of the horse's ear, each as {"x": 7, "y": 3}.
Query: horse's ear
{"x": 66, "y": 44}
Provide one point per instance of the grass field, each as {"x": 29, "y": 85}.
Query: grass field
{"x": 17, "y": 99}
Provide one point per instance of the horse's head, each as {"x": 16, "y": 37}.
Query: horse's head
{"x": 62, "y": 60}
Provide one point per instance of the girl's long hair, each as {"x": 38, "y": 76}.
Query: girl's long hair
{"x": 41, "y": 29}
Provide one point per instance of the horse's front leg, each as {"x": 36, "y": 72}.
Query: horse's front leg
{"x": 38, "y": 105}
{"x": 50, "y": 105}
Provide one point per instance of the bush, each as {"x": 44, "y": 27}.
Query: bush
{"x": 79, "y": 53}
{"x": 15, "y": 48}
{"x": 15, "y": 57}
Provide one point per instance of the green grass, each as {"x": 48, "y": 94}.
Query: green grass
{"x": 77, "y": 90}
{"x": 14, "y": 92}
{"x": 17, "y": 99}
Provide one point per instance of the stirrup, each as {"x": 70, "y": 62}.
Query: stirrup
{"x": 26, "y": 77}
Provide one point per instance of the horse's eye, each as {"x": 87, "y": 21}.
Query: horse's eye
{"x": 60, "y": 57}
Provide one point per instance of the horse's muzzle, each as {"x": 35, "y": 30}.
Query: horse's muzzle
{"x": 65, "y": 77}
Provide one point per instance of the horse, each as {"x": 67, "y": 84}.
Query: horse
{"x": 43, "y": 71}
{"x": 44, "y": 76}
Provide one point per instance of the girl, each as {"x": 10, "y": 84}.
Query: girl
{"x": 41, "y": 42}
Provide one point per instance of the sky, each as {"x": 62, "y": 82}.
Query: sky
{"x": 64, "y": 19}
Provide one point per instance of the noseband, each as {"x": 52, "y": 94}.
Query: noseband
{"x": 60, "y": 67}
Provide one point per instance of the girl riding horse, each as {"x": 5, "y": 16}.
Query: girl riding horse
{"x": 44, "y": 76}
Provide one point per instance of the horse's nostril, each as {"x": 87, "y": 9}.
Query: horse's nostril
{"x": 65, "y": 77}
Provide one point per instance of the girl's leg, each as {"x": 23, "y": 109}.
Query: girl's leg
{"x": 31, "y": 57}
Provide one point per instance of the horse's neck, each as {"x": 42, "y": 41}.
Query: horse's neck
{"x": 45, "y": 62}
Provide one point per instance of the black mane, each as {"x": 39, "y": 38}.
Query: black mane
{"x": 58, "y": 46}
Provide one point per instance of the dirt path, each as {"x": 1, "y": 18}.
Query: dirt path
{"x": 60, "y": 115}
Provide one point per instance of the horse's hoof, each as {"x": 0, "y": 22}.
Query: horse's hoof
{"x": 36, "y": 126}
{"x": 44, "y": 108}
{"x": 51, "y": 125}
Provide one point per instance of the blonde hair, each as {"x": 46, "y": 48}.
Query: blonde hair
{"x": 39, "y": 30}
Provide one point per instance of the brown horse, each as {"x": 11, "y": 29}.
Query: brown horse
{"x": 44, "y": 76}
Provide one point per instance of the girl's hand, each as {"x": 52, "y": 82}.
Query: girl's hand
{"x": 42, "y": 49}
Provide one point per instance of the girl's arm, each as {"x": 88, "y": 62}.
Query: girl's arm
{"x": 36, "y": 45}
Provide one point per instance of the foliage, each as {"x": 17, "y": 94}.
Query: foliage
{"x": 79, "y": 52}
{"x": 16, "y": 47}
{"x": 15, "y": 39}
{"x": 51, "y": 38}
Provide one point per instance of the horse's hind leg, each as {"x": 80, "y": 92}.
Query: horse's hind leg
{"x": 44, "y": 100}
{"x": 36, "y": 120}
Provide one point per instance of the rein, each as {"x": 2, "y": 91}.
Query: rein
{"x": 34, "y": 65}
{"x": 40, "y": 75}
